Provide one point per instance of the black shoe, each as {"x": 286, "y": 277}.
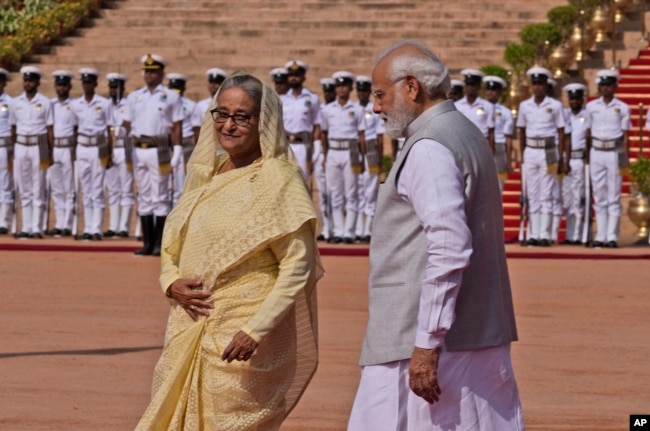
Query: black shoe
{"x": 611, "y": 244}
{"x": 597, "y": 244}
{"x": 86, "y": 237}
{"x": 36, "y": 235}
{"x": 123, "y": 234}
{"x": 66, "y": 232}
{"x": 22, "y": 235}
{"x": 109, "y": 234}
{"x": 567, "y": 242}
{"x": 147, "y": 225}
{"x": 532, "y": 242}
{"x": 348, "y": 240}
{"x": 365, "y": 239}
{"x": 97, "y": 237}
{"x": 545, "y": 243}
{"x": 4, "y": 231}
{"x": 55, "y": 232}
{"x": 335, "y": 240}
{"x": 138, "y": 238}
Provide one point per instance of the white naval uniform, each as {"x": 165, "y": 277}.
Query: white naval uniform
{"x": 190, "y": 118}
{"x": 481, "y": 113}
{"x": 321, "y": 183}
{"x": 607, "y": 123}
{"x": 95, "y": 118}
{"x": 503, "y": 127}
{"x": 153, "y": 114}
{"x": 61, "y": 173}
{"x": 342, "y": 124}
{"x": 300, "y": 114}
{"x": 558, "y": 191}
{"x": 573, "y": 184}
{"x": 540, "y": 121}
{"x": 6, "y": 183}
{"x": 201, "y": 108}
{"x": 119, "y": 178}
{"x": 369, "y": 183}
{"x": 31, "y": 118}
{"x": 479, "y": 390}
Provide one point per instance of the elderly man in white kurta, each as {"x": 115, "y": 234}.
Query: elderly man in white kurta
{"x": 608, "y": 126}
{"x": 32, "y": 121}
{"x": 343, "y": 125}
{"x": 62, "y": 170}
{"x": 436, "y": 354}
{"x": 540, "y": 119}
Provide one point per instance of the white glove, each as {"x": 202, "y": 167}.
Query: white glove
{"x": 177, "y": 156}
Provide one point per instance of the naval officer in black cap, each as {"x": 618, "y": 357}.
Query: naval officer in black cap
{"x": 280, "y": 77}
{"x": 478, "y": 110}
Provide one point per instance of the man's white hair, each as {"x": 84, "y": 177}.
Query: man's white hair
{"x": 427, "y": 68}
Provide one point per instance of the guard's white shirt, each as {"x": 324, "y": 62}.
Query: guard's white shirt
{"x": 343, "y": 122}
{"x": 65, "y": 119}
{"x": 300, "y": 113}
{"x": 94, "y": 116}
{"x": 578, "y": 128}
{"x": 5, "y": 106}
{"x": 481, "y": 113}
{"x": 504, "y": 123}
{"x": 374, "y": 123}
{"x": 189, "y": 116}
{"x": 543, "y": 120}
{"x": 201, "y": 108}
{"x": 153, "y": 113}
{"x": 121, "y": 113}
{"x": 607, "y": 121}
{"x": 31, "y": 117}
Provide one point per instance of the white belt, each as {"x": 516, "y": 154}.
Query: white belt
{"x": 536, "y": 142}
{"x": 339, "y": 144}
{"x": 4, "y": 142}
{"x": 27, "y": 140}
{"x": 577, "y": 154}
{"x": 604, "y": 144}
{"x": 118, "y": 143}
{"x": 63, "y": 142}
{"x": 87, "y": 141}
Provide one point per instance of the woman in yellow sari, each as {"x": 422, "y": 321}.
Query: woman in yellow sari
{"x": 239, "y": 265}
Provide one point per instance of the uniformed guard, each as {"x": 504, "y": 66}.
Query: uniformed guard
{"x": 61, "y": 172}
{"x": 300, "y": 109}
{"x": 32, "y": 134}
{"x": 328, "y": 86}
{"x": 540, "y": 119}
{"x": 457, "y": 90}
{"x": 177, "y": 83}
{"x": 608, "y": 126}
{"x": 215, "y": 77}
{"x": 369, "y": 178}
{"x": 280, "y": 77}
{"x": 558, "y": 210}
{"x": 478, "y": 110}
{"x": 503, "y": 127}
{"x": 343, "y": 125}
{"x": 119, "y": 177}
{"x": 574, "y": 181}
{"x": 156, "y": 128}
{"x": 94, "y": 151}
{"x": 6, "y": 153}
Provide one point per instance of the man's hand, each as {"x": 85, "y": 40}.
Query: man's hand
{"x": 423, "y": 374}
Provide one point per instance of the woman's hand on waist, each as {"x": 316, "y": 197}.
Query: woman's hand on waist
{"x": 241, "y": 348}
{"x": 189, "y": 295}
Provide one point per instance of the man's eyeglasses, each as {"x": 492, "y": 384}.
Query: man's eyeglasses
{"x": 379, "y": 94}
{"x": 241, "y": 120}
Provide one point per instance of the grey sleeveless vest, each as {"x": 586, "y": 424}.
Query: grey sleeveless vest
{"x": 484, "y": 313}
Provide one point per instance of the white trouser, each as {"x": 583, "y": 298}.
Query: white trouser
{"x": 119, "y": 181}
{"x": 90, "y": 173}
{"x": 321, "y": 185}
{"x": 539, "y": 183}
{"x": 178, "y": 181}
{"x": 479, "y": 392}
{"x": 30, "y": 181}
{"x": 573, "y": 187}
{"x": 62, "y": 187}
{"x": 300, "y": 151}
{"x": 153, "y": 187}
{"x": 368, "y": 189}
{"x": 6, "y": 186}
{"x": 606, "y": 185}
{"x": 342, "y": 186}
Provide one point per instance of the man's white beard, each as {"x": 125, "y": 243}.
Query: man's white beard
{"x": 398, "y": 120}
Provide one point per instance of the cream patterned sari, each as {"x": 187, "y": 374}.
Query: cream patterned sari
{"x": 228, "y": 230}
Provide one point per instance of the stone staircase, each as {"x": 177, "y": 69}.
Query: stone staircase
{"x": 194, "y": 35}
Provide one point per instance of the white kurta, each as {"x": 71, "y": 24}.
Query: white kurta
{"x": 479, "y": 391}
